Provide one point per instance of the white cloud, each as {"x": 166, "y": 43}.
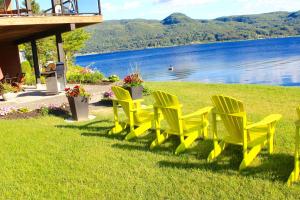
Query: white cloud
{"x": 108, "y": 7}
{"x": 185, "y": 3}
{"x": 259, "y": 6}
{"x": 131, "y": 5}
{"x": 125, "y": 6}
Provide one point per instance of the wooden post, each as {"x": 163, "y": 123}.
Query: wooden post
{"x": 60, "y": 50}
{"x": 36, "y": 62}
{"x": 76, "y": 7}
{"x": 18, "y": 7}
{"x": 99, "y": 7}
{"x": 53, "y": 6}
{"x": 28, "y": 6}
{"x": 62, "y": 7}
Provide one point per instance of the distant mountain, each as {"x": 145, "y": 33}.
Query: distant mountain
{"x": 179, "y": 29}
{"x": 177, "y": 18}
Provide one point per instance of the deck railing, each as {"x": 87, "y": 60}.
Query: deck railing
{"x": 58, "y": 8}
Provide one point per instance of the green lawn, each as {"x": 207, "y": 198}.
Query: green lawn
{"x": 48, "y": 158}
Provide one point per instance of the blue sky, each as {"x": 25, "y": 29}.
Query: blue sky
{"x": 198, "y": 9}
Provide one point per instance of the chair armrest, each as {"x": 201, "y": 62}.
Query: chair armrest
{"x": 137, "y": 100}
{"x": 238, "y": 114}
{"x": 144, "y": 107}
{"x": 171, "y": 107}
{"x": 266, "y": 121}
{"x": 118, "y": 101}
{"x": 199, "y": 112}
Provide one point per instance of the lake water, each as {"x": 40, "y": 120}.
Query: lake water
{"x": 270, "y": 61}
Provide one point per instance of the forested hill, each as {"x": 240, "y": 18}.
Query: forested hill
{"x": 179, "y": 29}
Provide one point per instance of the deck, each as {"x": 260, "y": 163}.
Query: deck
{"x": 22, "y": 28}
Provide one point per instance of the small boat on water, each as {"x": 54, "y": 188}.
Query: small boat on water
{"x": 171, "y": 68}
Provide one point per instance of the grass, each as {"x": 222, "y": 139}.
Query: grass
{"x": 48, "y": 158}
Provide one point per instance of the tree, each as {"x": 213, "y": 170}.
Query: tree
{"x": 73, "y": 42}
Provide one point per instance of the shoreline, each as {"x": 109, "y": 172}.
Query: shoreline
{"x": 173, "y": 46}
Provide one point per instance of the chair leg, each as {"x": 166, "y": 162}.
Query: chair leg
{"x": 250, "y": 156}
{"x": 205, "y": 133}
{"x": 271, "y": 140}
{"x": 186, "y": 143}
{"x": 293, "y": 177}
{"x": 218, "y": 149}
{"x": 119, "y": 127}
{"x": 295, "y": 174}
{"x": 160, "y": 138}
{"x": 138, "y": 131}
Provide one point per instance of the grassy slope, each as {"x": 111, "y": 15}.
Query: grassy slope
{"x": 43, "y": 158}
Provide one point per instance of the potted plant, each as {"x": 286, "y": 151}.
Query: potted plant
{"x": 79, "y": 102}
{"x": 134, "y": 84}
{"x": 107, "y": 98}
{"x": 7, "y": 91}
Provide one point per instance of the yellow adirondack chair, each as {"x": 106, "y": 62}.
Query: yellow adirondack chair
{"x": 253, "y": 137}
{"x": 295, "y": 174}
{"x": 188, "y": 127}
{"x": 139, "y": 119}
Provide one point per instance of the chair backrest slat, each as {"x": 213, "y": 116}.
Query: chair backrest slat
{"x": 227, "y": 105}
{"x": 124, "y": 97}
{"x": 170, "y": 108}
{"x": 298, "y": 112}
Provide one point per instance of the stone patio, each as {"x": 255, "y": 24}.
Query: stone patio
{"x": 33, "y": 98}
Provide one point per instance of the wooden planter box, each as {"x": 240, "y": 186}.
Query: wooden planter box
{"x": 79, "y": 108}
{"x": 136, "y": 92}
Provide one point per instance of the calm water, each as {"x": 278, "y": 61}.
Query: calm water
{"x": 271, "y": 61}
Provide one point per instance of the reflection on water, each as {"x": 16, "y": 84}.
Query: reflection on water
{"x": 273, "y": 61}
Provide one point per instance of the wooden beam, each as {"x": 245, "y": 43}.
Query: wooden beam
{"x": 36, "y": 62}
{"x": 60, "y": 49}
{"x": 47, "y": 33}
{"x": 51, "y": 20}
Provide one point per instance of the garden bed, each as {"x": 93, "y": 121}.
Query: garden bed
{"x": 11, "y": 113}
{"x": 19, "y": 115}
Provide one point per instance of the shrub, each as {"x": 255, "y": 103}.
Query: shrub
{"x": 26, "y": 67}
{"x": 113, "y": 78}
{"x": 44, "y": 110}
{"x": 30, "y": 79}
{"x": 6, "y": 88}
{"x": 147, "y": 91}
{"x": 77, "y": 74}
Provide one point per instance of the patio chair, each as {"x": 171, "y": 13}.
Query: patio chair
{"x": 139, "y": 118}
{"x": 295, "y": 173}
{"x": 251, "y": 136}
{"x": 187, "y": 127}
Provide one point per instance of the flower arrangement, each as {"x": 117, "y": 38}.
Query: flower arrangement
{"x": 133, "y": 80}
{"x": 108, "y": 95}
{"x": 77, "y": 91}
{"x": 7, "y": 110}
{"x": 4, "y": 111}
{"x": 54, "y": 109}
